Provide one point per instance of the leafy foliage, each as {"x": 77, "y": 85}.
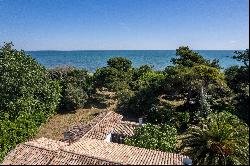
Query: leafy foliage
{"x": 219, "y": 139}
{"x": 162, "y": 137}
{"x": 242, "y": 56}
{"x": 189, "y": 58}
{"x": 28, "y": 97}
{"x": 76, "y": 86}
{"x": 116, "y": 76}
{"x": 238, "y": 80}
{"x": 120, "y": 63}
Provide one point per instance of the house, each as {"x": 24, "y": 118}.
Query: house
{"x": 97, "y": 142}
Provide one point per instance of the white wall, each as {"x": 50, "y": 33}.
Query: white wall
{"x": 108, "y": 138}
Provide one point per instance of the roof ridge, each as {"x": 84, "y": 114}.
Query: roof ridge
{"x": 56, "y": 153}
{"x": 91, "y": 156}
{"x": 34, "y": 146}
{"x": 118, "y": 148}
{"x": 98, "y": 122}
{"x": 130, "y": 122}
{"x": 117, "y": 144}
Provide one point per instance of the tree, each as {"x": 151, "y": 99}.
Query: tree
{"x": 219, "y": 139}
{"x": 242, "y": 56}
{"x": 120, "y": 63}
{"x": 161, "y": 137}
{"x": 203, "y": 76}
{"x": 237, "y": 78}
{"x": 25, "y": 85}
{"x": 28, "y": 97}
{"x": 76, "y": 86}
{"x": 116, "y": 76}
{"x": 187, "y": 57}
{"x": 193, "y": 85}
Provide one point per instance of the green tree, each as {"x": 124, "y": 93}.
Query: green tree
{"x": 77, "y": 87}
{"x": 116, "y": 76}
{"x": 161, "y": 137}
{"x": 237, "y": 78}
{"x": 203, "y": 76}
{"x": 189, "y": 58}
{"x": 242, "y": 56}
{"x": 120, "y": 63}
{"x": 193, "y": 85}
{"x": 28, "y": 97}
{"x": 219, "y": 139}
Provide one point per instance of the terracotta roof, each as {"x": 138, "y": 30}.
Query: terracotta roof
{"x": 87, "y": 151}
{"x": 90, "y": 147}
{"x": 104, "y": 126}
{"x": 78, "y": 131}
{"x": 125, "y": 128}
{"x": 98, "y": 128}
{"x": 28, "y": 155}
{"x": 46, "y": 143}
{"x": 68, "y": 158}
{"x": 31, "y": 153}
{"x": 124, "y": 154}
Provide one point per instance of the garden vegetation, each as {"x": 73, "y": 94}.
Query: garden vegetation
{"x": 192, "y": 107}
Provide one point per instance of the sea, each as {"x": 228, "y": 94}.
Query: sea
{"x": 93, "y": 59}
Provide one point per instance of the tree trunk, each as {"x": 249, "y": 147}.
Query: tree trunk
{"x": 204, "y": 106}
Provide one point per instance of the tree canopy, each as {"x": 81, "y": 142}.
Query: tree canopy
{"x": 28, "y": 97}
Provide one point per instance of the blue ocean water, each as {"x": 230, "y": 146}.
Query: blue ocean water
{"x": 91, "y": 60}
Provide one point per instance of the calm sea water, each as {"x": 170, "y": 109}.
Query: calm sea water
{"x": 91, "y": 60}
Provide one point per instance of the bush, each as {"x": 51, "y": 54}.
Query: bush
{"x": 76, "y": 86}
{"x": 28, "y": 97}
{"x": 168, "y": 115}
{"x": 162, "y": 137}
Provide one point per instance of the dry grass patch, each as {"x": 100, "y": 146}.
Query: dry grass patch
{"x": 60, "y": 123}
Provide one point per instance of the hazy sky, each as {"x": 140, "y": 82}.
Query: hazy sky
{"x": 124, "y": 24}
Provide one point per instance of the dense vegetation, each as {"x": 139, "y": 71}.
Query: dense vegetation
{"x": 76, "y": 87}
{"x": 219, "y": 139}
{"x": 189, "y": 93}
{"x": 28, "y": 97}
{"x": 158, "y": 137}
{"x": 192, "y": 99}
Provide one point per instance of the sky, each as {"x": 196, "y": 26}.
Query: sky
{"x": 125, "y": 24}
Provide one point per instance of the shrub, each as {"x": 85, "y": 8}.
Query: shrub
{"x": 168, "y": 115}
{"x": 161, "y": 137}
{"x": 76, "y": 86}
{"x": 28, "y": 97}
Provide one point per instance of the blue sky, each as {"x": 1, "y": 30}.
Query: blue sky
{"x": 124, "y": 24}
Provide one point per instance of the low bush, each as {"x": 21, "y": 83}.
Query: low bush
{"x": 157, "y": 137}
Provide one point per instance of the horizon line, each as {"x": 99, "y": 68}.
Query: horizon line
{"x": 141, "y": 50}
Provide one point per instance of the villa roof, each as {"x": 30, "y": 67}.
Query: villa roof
{"x": 87, "y": 151}
{"x": 104, "y": 126}
{"x": 125, "y": 128}
{"x": 124, "y": 154}
{"x": 88, "y": 146}
{"x": 97, "y": 128}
